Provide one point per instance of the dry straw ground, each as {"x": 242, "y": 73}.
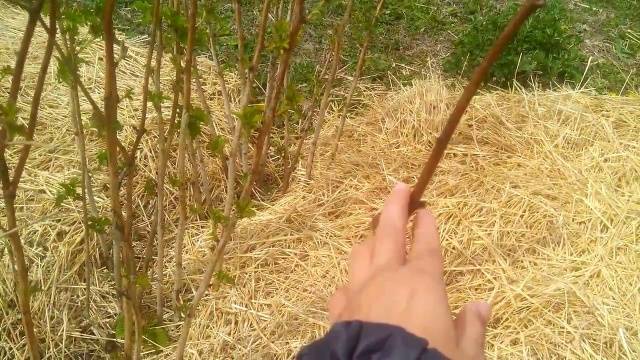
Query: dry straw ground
{"x": 538, "y": 201}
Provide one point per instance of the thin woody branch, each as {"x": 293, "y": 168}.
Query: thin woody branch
{"x": 362, "y": 57}
{"x": 9, "y": 186}
{"x": 182, "y": 149}
{"x": 126, "y": 288}
{"x": 83, "y": 88}
{"x": 324, "y": 103}
{"x": 271, "y": 103}
{"x": 215, "y": 258}
{"x": 526, "y": 10}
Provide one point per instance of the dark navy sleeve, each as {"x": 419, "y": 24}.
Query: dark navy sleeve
{"x": 357, "y": 340}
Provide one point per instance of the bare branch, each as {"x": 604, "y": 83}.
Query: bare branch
{"x": 226, "y": 101}
{"x": 271, "y": 79}
{"x": 237, "y": 18}
{"x": 324, "y": 103}
{"x": 271, "y": 104}
{"x": 214, "y": 261}
{"x": 356, "y": 77}
{"x": 140, "y": 130}
{"x": 292, "y": 164}
{"x": 527, "y": 9}
{"x": 162, "y": 163}
{"x": 33, "y": 114}
{"x": 203, "y": 99}
{"x": 127, "y": 296}
{"x": 21, "y": 58}
{"x": 82, "y": 157}
{"x": 245, "y": 99}
{"x": 85, "y": 92}
{"x": 196, "y": 172}
{"x": 17, "y": 256}
{"x": 182, "y": 149}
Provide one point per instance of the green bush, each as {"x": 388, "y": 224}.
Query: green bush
{"x": 547, "y": 48}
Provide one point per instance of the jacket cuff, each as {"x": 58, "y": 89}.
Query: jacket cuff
{"x": 358, "y": 340}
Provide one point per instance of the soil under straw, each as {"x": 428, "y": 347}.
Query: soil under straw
{"x": 538, "y": 201}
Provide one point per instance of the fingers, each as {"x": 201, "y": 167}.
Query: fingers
{"x": 360, "y": 264}
{"x": 359, "y": 269}
{"x": 426, "y": 251}
{"x": 389, "y": 247}
{"x": 337, "y": 303}
{"x": 471, "y": 329}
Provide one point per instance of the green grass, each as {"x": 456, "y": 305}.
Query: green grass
{"x": 615, "y": 28}
{"x": 546, "y": 49}
{"x": 555, "y": 46}
{"x": 411, "y": 34}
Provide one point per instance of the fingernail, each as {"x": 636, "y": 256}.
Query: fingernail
{"x": 483, "y": 309}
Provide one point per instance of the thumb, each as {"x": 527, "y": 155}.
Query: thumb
{"x": 471, "y": 328}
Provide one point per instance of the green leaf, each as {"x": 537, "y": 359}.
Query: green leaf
{"x": 176, "y": 22}
{"x": 124, "y": 52}
{"x": 14, "y": 129}
{"x": 128, "y": 94}
{"x": 175, "y": 61}
{"x": 224, "y": 277}
{"x": 118, "y": 327}
{"x": 98, "y": 224}
{"x": 59, "y": 198}
{"x": 250, "y": 117}
{"x": 118, "y": 125}
{"x": 292, "y": 99}
{"x": 71, "y": 19}
{"x": 9, "y": 111}
{"x": 174, "y": 181}
{"x": 216, "y": 145}
{"x": 102, "y": 158}
{"x": 217, "y": 216}
{"x": 156, "y": 98}
{"x": 220, "y": 20}
{"x": 196, "y": 210}
{"x": 278, "y": 36}
{"x": 67, "y": 190}
{"x": 157, "y": 336}
{"x": 202, "y": 38}
{"x": 8, "y": 115}
{"x": 142, "y": 281}
{"x": 96, "y": 28}
{"x": 5, "y": 71}
{"x": 63, "y": 73}
{"x": 145, "y": 8}
{"x": 317, "y": 12}
{"x": 97, "y": 122}
{"x": 210, "y": 11}
{"x": 245, "y": 209}
{"x": 150, "y": 186}
{"x": 197, "y": 117}
{"x": 243, "y": 177}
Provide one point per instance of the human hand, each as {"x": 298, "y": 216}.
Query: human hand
{"x": 387, "y": 285}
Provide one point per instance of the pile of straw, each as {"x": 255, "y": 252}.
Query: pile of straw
{"x": 538, "y": 202}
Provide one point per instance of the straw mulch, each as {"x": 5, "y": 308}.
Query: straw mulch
{"x": 538, "y": 201}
